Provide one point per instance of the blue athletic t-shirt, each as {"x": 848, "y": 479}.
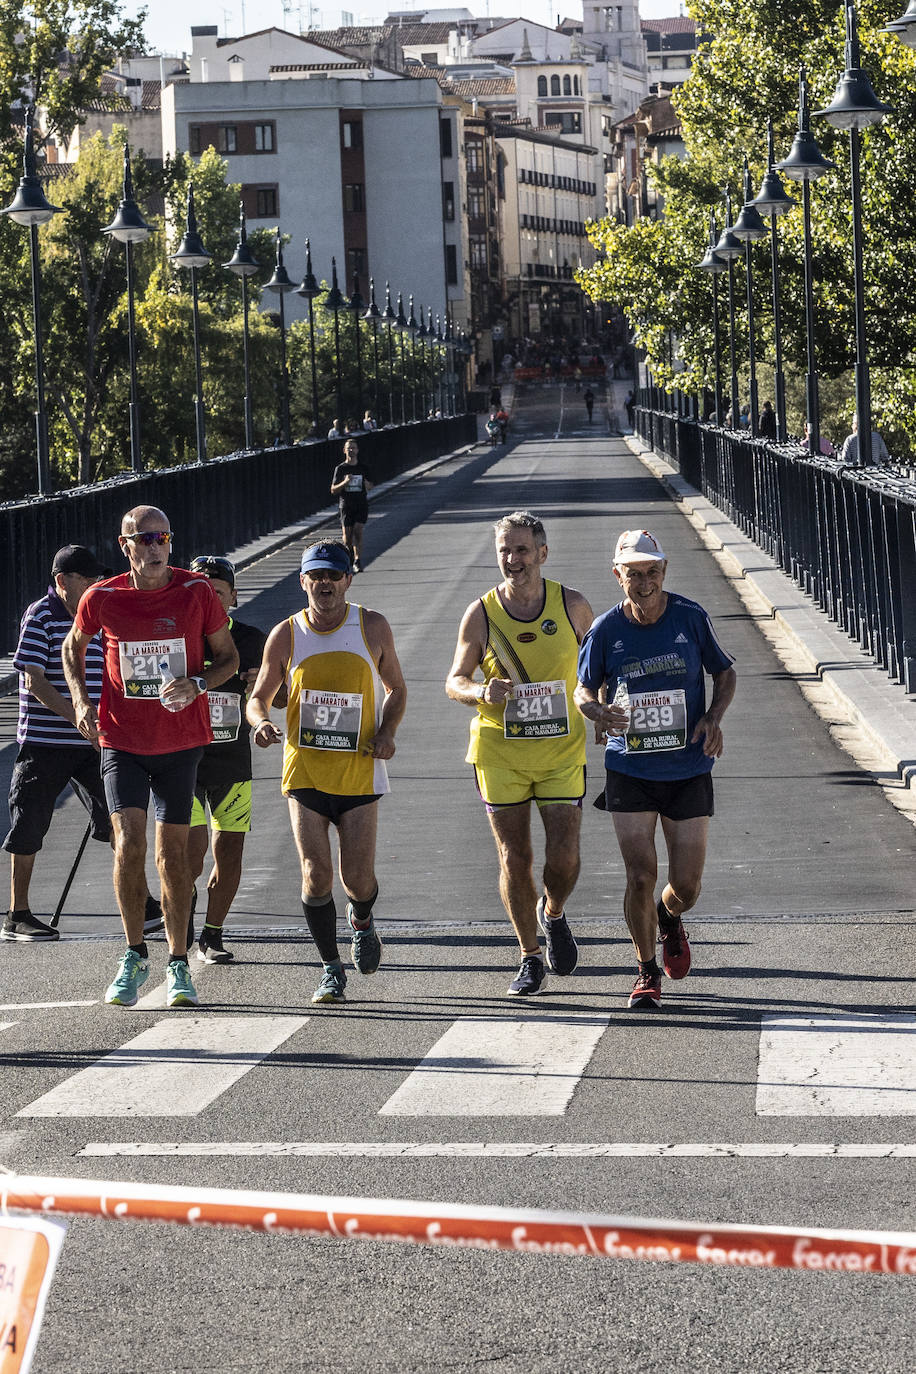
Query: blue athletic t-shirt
{"x": 662, "y": 666}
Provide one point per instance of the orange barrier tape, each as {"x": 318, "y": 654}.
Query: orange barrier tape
{"x": 463, "y": 1226}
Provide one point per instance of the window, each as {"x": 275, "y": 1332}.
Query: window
{"x": 542, "y": 85}
{"x": 445, "y": 138}
{"x": 451, "y": 264}
{"x": 228, "y": 138}
{"x": 577, "y": 90}
{"x": 448, "y": 200}
{"x": 475, "y": 157}
{"x": 477, "y": 208}
{"x": 567, "y": 86}
{"x": 554, "y": 85}
{"x": 429, "y": 59}
{"x": 478, "y": 250}
{"x": 566, "y": 122}
{"x": 354, "y": 197}
{"x": 194, "y": 140}
{"x": 356, "y": 263}
{"x": 351, "y": 131}
{"x": 263, "y": 138}
{"x": 265, "y": 202}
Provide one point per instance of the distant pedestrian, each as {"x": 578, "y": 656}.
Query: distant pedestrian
{"x": 767, "y": 424}
{"x": 849, "y": 453}
{"x": 824, "y": 446}
{"x": 630, "y": 407}
{"x": 496, "y": 397}
{"x": 588, "y": 397}
{"x": 351, "y": 484}
{"x": 335, "y": 432}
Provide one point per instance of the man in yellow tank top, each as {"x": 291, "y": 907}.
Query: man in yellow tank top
{"x": 527, "y": 738}
{"x": 346, "y": 696}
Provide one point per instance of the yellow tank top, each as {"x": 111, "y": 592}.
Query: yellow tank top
{"x": 334, "y": 707}
{"x": 538, "y": 730}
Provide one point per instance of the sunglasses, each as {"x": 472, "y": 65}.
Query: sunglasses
{"x": 318, "y": 574}
{"x": 213, "y": 566}
{"x": 150, "y": 537}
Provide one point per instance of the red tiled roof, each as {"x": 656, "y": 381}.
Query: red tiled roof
{"x": 676, "y": 23}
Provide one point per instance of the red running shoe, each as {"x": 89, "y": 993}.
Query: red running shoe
{"x": 675, "y": 949}
{"x": 647, "y": 992}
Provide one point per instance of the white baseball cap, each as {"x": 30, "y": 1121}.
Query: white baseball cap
{"x": 638, "y": 546}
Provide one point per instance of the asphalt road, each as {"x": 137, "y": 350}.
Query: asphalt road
{"x": 807, "y": 912}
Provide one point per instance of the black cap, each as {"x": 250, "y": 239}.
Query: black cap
{"x": 76, "y": 558}
{"x": 213, "y": 565}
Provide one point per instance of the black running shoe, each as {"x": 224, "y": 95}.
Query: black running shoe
{"x": 152, "y": 917}
{"x": 562, "y": 951}
{"x": 530, "y": 978}
{"x": 22, "y": 925}
{"x": 210, "y": 947}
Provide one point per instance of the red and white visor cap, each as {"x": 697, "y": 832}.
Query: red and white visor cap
{"x": 638, "y": 546}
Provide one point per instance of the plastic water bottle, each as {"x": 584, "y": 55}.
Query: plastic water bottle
{"x": 621, "y": 698}
{"x": 167, "y": 676}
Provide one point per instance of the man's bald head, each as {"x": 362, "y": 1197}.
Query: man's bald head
{"x": 134, "y": 518}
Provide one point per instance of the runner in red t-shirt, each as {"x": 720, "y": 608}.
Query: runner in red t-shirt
{"x": 157, "y": 625}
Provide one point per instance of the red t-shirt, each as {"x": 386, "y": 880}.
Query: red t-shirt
{"x": 139, "y": 630}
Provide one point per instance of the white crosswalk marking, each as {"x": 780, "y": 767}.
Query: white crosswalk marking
{"x": 176, "y": 1068}
{"x": 462, "y": 1149}
{"x": 498, "y": 1067}
{"x": 5, "y": 1025}
{"x": 854, "y": 1065}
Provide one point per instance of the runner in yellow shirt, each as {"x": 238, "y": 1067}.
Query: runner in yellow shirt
{"x": 527, "y": 739}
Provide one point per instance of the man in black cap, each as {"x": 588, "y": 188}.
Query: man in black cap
{"x": 52, "y": 753}
{"x": 224, "y": 771}
{"x": 346, "y": 698}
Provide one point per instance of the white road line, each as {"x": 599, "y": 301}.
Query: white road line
{"x": 405, "y": 1149}
{"x": 7, "y": 1025}
{"x": 40, "y": 1006}
{"x": 852, "y": 1065}
{"x": 153, "y": 1000}
{"x": 176, "y": 1068}
{"x": 560, "y": 420}
{"x": 484, "y": 1067}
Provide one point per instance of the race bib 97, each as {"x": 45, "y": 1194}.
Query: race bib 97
{"x": 536, "y": 710}
{"x": 330, "y": 720}
{"x": 658, "y": 722}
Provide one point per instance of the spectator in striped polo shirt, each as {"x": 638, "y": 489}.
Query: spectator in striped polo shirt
{"x": 52, "y": 752}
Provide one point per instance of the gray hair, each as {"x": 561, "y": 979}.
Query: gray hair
{"x": 522, "y": 520}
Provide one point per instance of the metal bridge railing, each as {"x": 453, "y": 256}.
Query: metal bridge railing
{"x": 846, "y": 536}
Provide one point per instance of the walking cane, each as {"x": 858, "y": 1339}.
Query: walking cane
{"x": 69, "y": 883}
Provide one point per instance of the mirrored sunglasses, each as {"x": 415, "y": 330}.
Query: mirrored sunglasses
{"x": 150, "y": 537}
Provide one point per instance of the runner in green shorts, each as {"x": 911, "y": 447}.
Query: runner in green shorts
{"x": 224, "y": 773}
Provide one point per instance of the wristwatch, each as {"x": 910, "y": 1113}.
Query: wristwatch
{"x": 200, "y": 683}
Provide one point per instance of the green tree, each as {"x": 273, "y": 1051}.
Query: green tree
{"x": 747, "y": 71}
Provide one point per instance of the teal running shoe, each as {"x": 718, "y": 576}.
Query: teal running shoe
{"x": 331, "y": 987}
{"x": 132, "y": 974}
{"x": 365, "y": 947}
{"x": 179, "y": 990}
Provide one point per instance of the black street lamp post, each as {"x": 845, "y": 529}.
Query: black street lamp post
{"x": 773, "y": 199}
{"x": 401, "y": 326}
{"x": 806, "y": 163}
{"x": 192, "y": 255}
{"x": 749, "y": 227}
{"x": 243, "y": 264}
{"x": 413, "y": 329}
{"x": 336, "y": 301}
{"x": 715, "y": 265}
{"x": 30, "y": 207}
{"x": 356, "y": 305}
{"x": 372, "y": 317}
{"x": 854, "y": 107}
{"x": 424, "y": 370}
{"x": 129, "y": 227}
{"x": 389, "y": 314}
{"x": 729, "y": 248}
{"x": 309, "y": 290}
{"x": 281, "y": 285}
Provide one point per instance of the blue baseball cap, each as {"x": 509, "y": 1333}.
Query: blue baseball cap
{"x": 332, "y": 556}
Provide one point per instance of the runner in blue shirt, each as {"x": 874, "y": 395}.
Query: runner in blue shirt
{"x": 641, "y": 680}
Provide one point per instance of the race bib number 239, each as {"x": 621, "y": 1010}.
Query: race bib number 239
{"x": 658, "y": 722}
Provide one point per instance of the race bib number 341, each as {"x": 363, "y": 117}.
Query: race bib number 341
{"x": 330, "y": 720}
{"x": 658, "y": 722}
{"x": 536, "y": 710}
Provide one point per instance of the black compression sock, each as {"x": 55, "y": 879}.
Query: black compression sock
{"x": 321, "y": 919}
{"x": 140, "y": 949}
{"x": 363, "y": 910}
{"x": 177, "y": 958}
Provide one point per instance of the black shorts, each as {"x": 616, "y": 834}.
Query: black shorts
{"x": 40, "y": 774}
{"x": 682, "y": 799}
{"x": 329, "y": 804}
{"x": 130, "y": 778}
{"x": 354, "y": 513}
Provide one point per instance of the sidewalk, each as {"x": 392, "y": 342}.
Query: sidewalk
{"x": 867, "y": 697}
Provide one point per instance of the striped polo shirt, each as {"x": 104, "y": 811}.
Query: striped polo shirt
{"x": 44, "y": 627}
